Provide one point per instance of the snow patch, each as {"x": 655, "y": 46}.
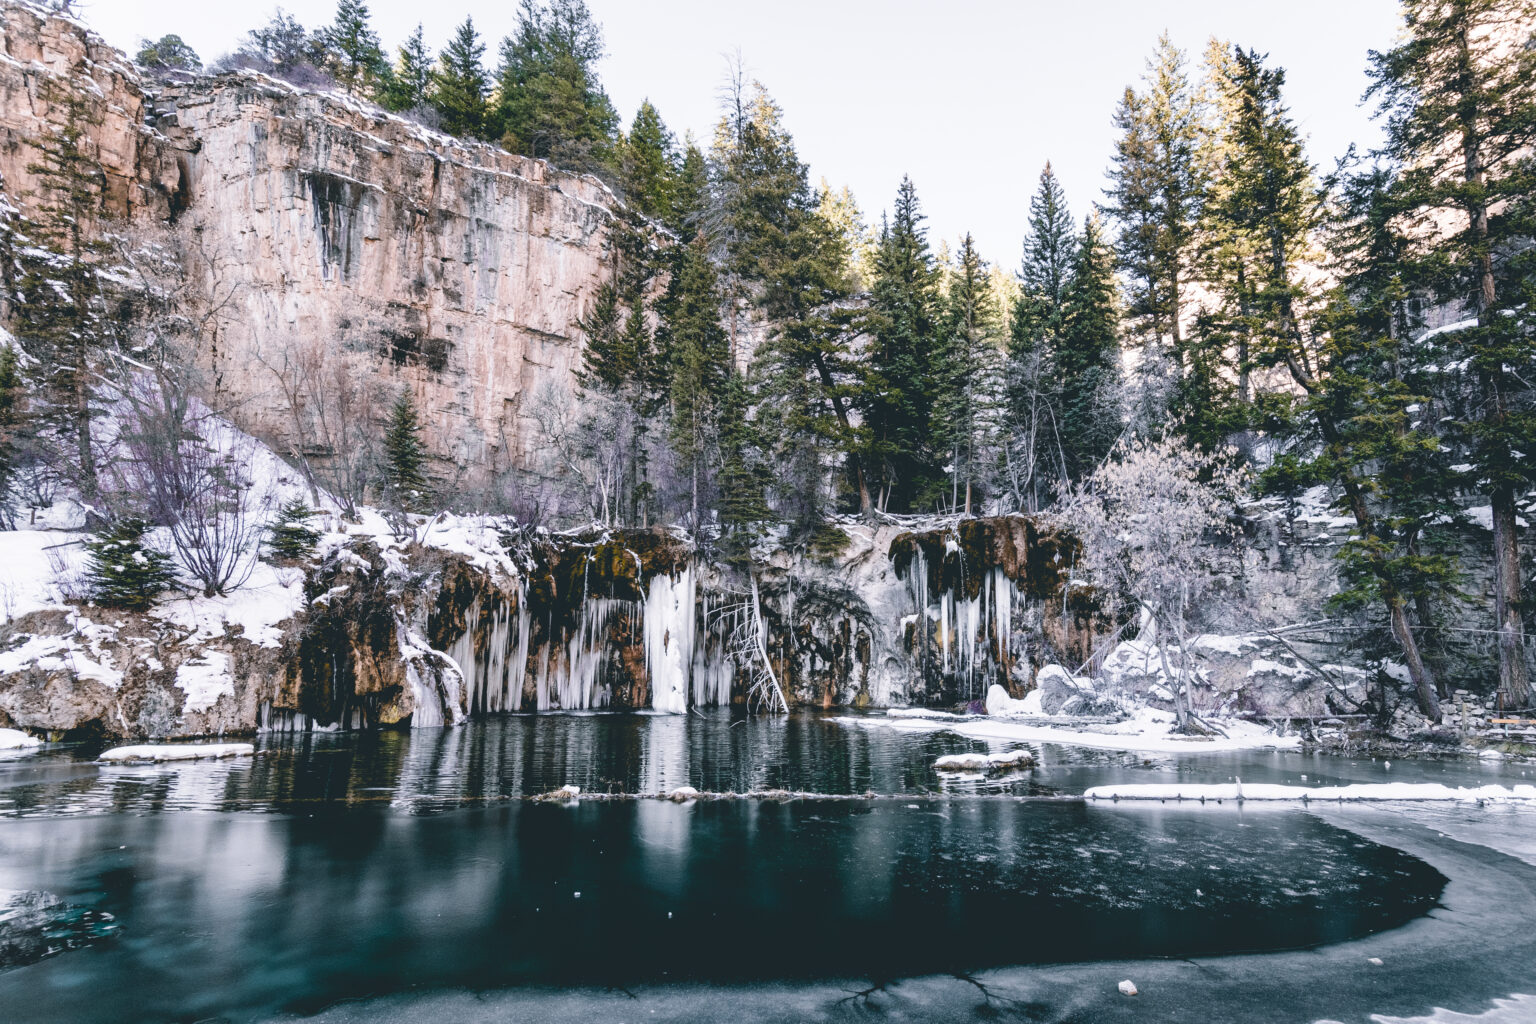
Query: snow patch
{"x": 205, "y": 681}
{"x": 15, "y": 739}
{"x": 177, "y": 751}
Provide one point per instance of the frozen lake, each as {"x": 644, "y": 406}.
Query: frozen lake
{"x": 403, "y": 876}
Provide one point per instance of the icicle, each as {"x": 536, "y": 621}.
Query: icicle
{"x": 669, "y": 623}
{"x": 1002, "y": 615}
{"x": 517, "y": 670}
{"x": 946, "y": 618}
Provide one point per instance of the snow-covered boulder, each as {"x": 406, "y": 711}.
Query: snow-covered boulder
{"x": 1000, "y": 704}
{"x": 1062, "y": 693}
{"x": 984, "y": 762}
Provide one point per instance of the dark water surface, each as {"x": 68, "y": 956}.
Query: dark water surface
{"x": 334, "y": 868}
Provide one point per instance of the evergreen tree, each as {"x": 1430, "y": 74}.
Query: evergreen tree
{"x": 968, "y": 406}
{"x": 1087, "y": 354}
{"x": 168, "y": 53}
{"x": 1229, "y": 257}
{"x": 1359, "y": 419}
{"x": 1048, "y": 253}
{"x": 459, "y": 85}
{"x": 1459, "y": 96}
{"x": 405, "y": 459}
{"x": 743, "y": 476}
{"x": 1357, "y": 430}
{"x": 699, "y": 354}
{"x": 409, "y": 85}
{"x": 62, "y": 312}
{"x": 1155, "y": 193}
{"x": 839, "y": 209}
{"x": 549, "y": 102}
{"x": 122, "y": 570}
{"x": 352, "y": 53}
{"x": 905, "y": 357}
{"x": 648, "y": 168}
{"x": 12, "y": 425}
{"x": 691, "y": 197}
{"x": 781, "y": 253}
{"x": 290, "y": 536}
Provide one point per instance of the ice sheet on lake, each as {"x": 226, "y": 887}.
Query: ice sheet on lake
{"x": 1415, "y": 791}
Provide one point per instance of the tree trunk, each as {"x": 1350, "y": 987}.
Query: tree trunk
{"x": 1506, "y": 543}
{"x": 1423, "y": 684}
{"x": 866, "y": 504}
{"x": 1513, "y": 679}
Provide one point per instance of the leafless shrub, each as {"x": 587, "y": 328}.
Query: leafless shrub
{"x": 336, "y": 400}
{"x": 192, "y": 474}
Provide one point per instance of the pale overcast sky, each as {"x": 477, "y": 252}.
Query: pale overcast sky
{"x": 968, "y": 97}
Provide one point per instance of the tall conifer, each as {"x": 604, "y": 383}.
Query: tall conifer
{"x": 460, "y": 84}
{"x": 1459, "y": 98}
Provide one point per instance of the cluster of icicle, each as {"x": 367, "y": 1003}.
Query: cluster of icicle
{"x": 567, "y": 671}
{"x": 974, "y": 633}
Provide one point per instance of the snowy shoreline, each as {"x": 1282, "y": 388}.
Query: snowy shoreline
{"x": 1364, "y": 791}
{"x": 1147, "y": 730}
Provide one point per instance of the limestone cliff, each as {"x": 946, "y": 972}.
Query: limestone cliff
{"x": 314, "y": 226}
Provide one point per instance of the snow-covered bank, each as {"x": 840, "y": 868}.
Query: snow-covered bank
{"x": 177, "y": 751}
{"x": 1415, "y": 791}
{"x": 15, "y": 739}
{"x": 1147, "y": 729}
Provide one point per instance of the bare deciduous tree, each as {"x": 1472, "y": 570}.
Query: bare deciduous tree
{"x": 1145, "y": 519}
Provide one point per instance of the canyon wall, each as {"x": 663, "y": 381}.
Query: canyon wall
{"x": 323, "y": 237}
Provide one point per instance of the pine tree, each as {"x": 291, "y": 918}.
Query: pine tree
{"x": 122, "y": 570}
{"x": 781, "y": 254}
{"x": 1357, "y": 429}
{"x": 549, "y": 102}
{"x": 743, "y": 477}
{"x": 459, "y": 85}
{"x": 839, "y": 209}
{"x": 905, "y": 357}
{"x": 970, "y": 399}
{"x": 1459, "y": 97}
{"x": 409, "y": 85}
{"x": 12, "y": 425}
{"x": 61, "y": 313}
{"x": 1156, "y": 192}
{"x": 405, "y": 458}
{"x": 648, "y": 166}
{"x": 1228, "y": 258}
{"x": 352, "y": 53}
{"x": 699, "y": 354}
{"x": 168, "y": 53}
{"x": 1087, "y": 354}
{"x": 290, "y": 536}
{"x": 1048, "y": 253}
{"x": 691, "y": 197}
{"x": 1357, "y": 419}
{"x": 284, "y": 46}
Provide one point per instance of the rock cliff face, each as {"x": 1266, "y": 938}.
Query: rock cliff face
{"x": 45, "y": 61}
{"x": 456, "y": 270}
{"x": 316, "y": 228}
